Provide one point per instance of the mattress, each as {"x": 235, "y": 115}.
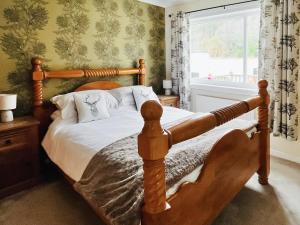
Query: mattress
{"x": 71, "y": 145}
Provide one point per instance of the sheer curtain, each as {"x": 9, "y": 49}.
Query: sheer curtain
{"x": 279, "y": 63}
{"x": 180, "y": 58}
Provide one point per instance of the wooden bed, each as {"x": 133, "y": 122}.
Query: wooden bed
{"x": 230, "y": 164}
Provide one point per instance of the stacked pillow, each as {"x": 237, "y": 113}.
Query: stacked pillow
{"x": 90, "y": 107}
{"x": 71, "y": 109}
{"x": 142, "y": 94}
{"x": 86, "y": 106}
{"x": 134, "y": 95}
{"x": 123, "y": 95}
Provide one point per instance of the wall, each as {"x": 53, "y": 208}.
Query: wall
{"x": 279, "y": 146}
{"x": 204, "y": 100}
{"x": 77, "y": 34}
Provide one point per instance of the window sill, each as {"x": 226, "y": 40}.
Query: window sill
{"x": 224, "y": 91}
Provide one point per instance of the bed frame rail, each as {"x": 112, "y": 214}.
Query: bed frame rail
{"x": 154, "y": 142}
{"x": 197, "y": 126}
{"x": 38, "y": 75}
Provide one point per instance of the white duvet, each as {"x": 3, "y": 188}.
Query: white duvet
{"x": 71, "y": 145}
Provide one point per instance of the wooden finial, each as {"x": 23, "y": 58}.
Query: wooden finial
{"x": 142, "y": 63}
{"x": 262, "y": 84}
{"x": 153, "y": 146}
{"x": 263, "y": 121}
{"x": 151, "y": 110}
{"x": 142, "y": 72}
{"x": 37, "y": 64}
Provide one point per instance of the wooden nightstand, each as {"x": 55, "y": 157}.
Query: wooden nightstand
{"x": 169, "y": 100}
{"x": 19, "y": 155}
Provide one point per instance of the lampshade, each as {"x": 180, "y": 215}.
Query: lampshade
{"x": 167, "y": 84}
{"x": 8, "y": 101}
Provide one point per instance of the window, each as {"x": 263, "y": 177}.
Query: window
{"x": 224, "y": 48}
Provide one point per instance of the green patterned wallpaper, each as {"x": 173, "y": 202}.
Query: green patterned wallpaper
{"x": 77, "y": 34}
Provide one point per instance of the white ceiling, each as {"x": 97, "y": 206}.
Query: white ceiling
{"x": 166, "y": 3}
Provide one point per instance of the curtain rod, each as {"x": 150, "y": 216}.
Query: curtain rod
{"x": 220, "y": 6}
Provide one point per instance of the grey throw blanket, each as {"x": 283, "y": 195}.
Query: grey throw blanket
{"x": 113, "y": 180}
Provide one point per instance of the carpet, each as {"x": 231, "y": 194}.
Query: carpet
{"x": 54, "y": 203}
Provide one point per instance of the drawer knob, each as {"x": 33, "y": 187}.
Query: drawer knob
{"x": 8, "y": 142}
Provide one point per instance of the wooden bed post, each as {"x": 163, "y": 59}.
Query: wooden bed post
{"x": 263, "y": 111}
{"x": 141, "y": 77}
{"x": 38, "y": 77}
{"x": 153, "y": 146}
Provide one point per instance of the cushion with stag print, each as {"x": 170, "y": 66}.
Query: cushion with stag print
{"x": 90, "y": 107}
{"x": 66, "y": 103}
{"x": 142, "y": 94}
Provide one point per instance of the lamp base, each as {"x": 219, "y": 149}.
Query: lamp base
{"x": 167, "y": 91}
{"x": 7, "y": 116}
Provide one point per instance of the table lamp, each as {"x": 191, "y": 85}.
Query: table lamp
{"x": 167, "y": 85}
{"x": 7, "y": 103}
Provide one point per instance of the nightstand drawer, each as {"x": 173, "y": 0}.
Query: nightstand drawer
{"x": 13, "y": 139}
{"x": 169, "y": 100}
{"x": 19, "y": 155}
{"x": 170, "y": 103}
{"x": 17, "y": 164}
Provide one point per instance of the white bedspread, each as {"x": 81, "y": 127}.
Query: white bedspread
{"x": 71, "y": 145}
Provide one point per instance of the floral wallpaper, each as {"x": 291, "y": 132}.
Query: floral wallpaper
{"x": 108, "y": 28}
{"x": 71, "y": 34}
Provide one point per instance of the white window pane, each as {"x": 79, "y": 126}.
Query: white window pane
{"x": 217, "y": 48}
{"x": 224, "y": 48}
{"x": 252, "y": 48}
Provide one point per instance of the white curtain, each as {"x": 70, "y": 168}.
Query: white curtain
{"x": 180, "y": 58}
{"x": 279, "y": 63}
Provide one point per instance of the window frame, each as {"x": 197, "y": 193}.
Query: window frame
{"x": 244, "y": 9}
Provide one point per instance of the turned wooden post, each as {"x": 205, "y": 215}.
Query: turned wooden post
{"x": 264, "y": 145}
{"x": 142, "y": 74}
{"x": 37, "y": 77}
{"x": 153, "y": 146}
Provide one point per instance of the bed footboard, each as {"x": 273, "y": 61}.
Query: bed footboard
{"x": 231, "y": 162}
{"x": 221, "y": 178}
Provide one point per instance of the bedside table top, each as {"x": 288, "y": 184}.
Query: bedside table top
{"x": 18, "y": 123}
{"x": 166, "y": 97}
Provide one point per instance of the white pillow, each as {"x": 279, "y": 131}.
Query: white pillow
{"x": 56, "y": 114}
{"x": 90, "y": 106}
{"x": 66, "y": 105}
{"x": 124, "y": 95}
{"x": 142, "y": 94}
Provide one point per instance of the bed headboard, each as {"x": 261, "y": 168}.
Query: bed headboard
{"x": 42, "y": 110}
